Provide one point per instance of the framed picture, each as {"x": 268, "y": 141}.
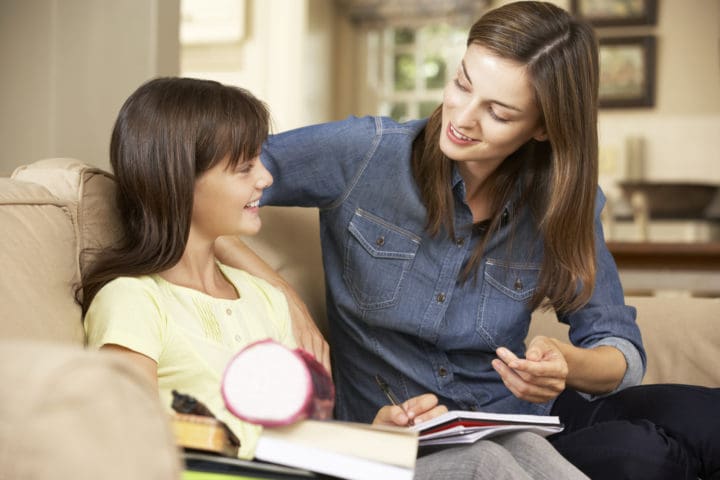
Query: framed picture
{"x": 609, "y": 13}
{"x": 627, "y": 72}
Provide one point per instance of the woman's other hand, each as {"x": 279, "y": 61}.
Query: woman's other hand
{"x": 540, "y": 376}
{"x": 305, "y": 330}
{"x": 419, "y": 409}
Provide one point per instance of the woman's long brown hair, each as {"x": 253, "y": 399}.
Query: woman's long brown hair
{"x": 168, "y": 132}
{"x": 558, "y": 178}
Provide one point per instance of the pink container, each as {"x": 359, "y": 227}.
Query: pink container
{"x": 271, "y": 385}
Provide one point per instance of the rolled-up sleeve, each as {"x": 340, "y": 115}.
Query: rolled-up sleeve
{"x": 606, "y": 320}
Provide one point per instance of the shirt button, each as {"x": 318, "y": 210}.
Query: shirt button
{"x": 518, "y": 285}
{"x": 238, "y": 338}
{"x": 228, "y": 311}
{"x": 440, "y": 297}
{"x": 442, "y": 371}
{"x": 460, "y": 242}
{"x": 380, "y": 241}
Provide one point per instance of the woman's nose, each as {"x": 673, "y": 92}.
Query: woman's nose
{"x": 467, "y": 115}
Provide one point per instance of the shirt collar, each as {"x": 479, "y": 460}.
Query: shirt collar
{"x": 458, "y": 186}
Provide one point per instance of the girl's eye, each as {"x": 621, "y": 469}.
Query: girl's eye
{"x": 245, "y": 167}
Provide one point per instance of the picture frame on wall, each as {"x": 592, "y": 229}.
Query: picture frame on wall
{"x": 610, "y": 13}
{"x": 627, "y": 72}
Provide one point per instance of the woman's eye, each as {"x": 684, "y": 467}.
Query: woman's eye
{"x": 460, "y": 85}
{"x": 496, "y": 117}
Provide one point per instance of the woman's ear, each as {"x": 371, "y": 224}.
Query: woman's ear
{"x": 540, "y": 134}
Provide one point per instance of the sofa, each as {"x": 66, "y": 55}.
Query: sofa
{"x": 66, "y": 412}
{"x": 66, "y": 409}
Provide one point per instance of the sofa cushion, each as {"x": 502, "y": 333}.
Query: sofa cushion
{"x": 37, "y": 248}
{"x": 289, "y": 242}
{"x": 76, "y": 414}
{"x": 90, "y": 190}
{"x": 50, "y": 212}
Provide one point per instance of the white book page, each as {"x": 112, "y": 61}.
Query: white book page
{"x": 345, "y": 466}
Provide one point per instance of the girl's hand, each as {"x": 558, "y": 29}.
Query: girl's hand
{"x": 538, "y": 378}
{"x": 419, "y": 409}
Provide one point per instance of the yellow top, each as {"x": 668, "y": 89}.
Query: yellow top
{"x": 191, "y": 335}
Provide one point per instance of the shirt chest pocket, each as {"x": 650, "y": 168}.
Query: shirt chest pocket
{"x": 378, "y": 254}
{"x": 504, "y": 316}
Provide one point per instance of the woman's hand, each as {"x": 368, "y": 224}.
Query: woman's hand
{"x": 305, "y": 330}
{"x": 419, "y": 409}
{"x": 538, "y": 378}
{"x": 550, "y": 365}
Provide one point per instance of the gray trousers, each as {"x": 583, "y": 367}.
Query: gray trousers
{"x": 513, "y": 456}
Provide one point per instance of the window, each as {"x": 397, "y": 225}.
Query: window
{"x": 409, "y": 66}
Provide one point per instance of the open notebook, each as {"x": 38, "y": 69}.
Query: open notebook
{"x": 459, "y": 426}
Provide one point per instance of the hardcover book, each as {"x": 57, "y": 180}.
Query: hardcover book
{"x": 203, "y": 433}
{"x": 354, "y": 451}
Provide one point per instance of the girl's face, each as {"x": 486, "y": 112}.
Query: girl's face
{"x": 488, "y": 110}
{"x": 226, "y": 201}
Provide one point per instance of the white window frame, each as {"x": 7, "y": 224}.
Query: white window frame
{"x": 382, "y": 50}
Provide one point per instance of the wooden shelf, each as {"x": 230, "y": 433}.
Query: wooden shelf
{"x": 666, "y": 255}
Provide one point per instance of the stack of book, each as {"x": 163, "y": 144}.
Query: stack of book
{"x": 305, "y": 449}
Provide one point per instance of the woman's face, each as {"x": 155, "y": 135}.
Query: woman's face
{"x": 489, "y": 109}
{"x": 226, "y": 200}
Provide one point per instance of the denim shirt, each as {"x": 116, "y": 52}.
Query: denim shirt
{"x": 395, "y": 303}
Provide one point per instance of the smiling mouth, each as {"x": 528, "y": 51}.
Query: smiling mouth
{"x": 456, "y": 135}
{"x": 253, "y": 204}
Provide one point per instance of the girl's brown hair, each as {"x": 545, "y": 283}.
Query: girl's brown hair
{"x": 558, "y": 178}
{"x": 168, "y": 132}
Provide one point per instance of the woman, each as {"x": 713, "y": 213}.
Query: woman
{"x": 185, "y": 157}
{"x": 440, "y": 237}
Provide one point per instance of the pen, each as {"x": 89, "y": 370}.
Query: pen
{"x": 391, "y": 395}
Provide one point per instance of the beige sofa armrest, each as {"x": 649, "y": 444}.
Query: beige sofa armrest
{"x": 681, "y": 337}
{"x": 71, "y": 413}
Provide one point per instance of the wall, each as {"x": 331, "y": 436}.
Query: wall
{"x": 682, "y": 131}
{"x": 67, "y": 66}
{"x": 284, "y": 58}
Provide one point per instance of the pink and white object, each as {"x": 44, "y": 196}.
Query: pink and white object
{"x": 271, "y": 385}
